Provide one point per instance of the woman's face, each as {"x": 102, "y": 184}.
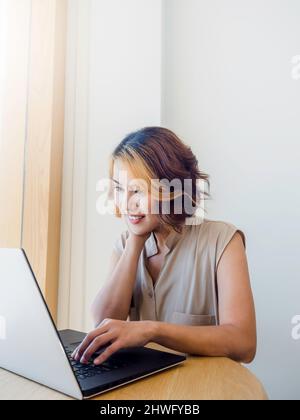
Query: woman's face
{"x": 134, "y": 201}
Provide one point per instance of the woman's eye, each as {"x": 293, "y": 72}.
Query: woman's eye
{"x": 118, "y": 188}
{"x": 132, "y": 190}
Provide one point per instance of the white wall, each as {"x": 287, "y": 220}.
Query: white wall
{"x": 125, "y": 94}
{"x": 113, "y": 88}
{"x": 228, "y": 90}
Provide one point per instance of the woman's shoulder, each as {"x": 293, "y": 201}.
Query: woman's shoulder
{"x": 213, "y": 236}
{"x": 215, "y": 231}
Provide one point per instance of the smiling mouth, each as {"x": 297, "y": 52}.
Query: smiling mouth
{"x": 132, "y": 217}
{"x": 135, "y": 219}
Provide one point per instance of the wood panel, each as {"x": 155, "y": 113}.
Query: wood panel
{"x": 44, "y": 146}
{"x": 15, "y": 29}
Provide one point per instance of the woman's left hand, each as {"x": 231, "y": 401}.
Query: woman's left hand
{"x": 114, "y": 334}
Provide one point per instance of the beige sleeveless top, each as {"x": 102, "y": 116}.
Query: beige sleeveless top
{"x": 186, "y": 290}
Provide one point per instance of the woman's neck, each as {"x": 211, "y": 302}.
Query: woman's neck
{"x": 161, "y": 235}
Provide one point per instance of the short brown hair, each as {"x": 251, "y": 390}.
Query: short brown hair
{"x": 157, "y": 153}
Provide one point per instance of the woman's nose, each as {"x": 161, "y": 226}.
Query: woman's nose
{"x": 133, "y": 204}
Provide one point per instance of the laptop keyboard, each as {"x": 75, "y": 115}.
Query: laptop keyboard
{"x": 85, "y": 371}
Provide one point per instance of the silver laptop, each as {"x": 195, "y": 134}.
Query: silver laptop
{"x": 31, "y": 346}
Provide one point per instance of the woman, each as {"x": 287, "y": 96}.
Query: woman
{"x": 183, "y": 284}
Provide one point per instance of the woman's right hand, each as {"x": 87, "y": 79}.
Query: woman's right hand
{"x": 137, "y": 242}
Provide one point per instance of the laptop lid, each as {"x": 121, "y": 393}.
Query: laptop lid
{"x": 29, "y": 343}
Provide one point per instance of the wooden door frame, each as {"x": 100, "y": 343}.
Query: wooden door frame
{"x": 71, "y": 309}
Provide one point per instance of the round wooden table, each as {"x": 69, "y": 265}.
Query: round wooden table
{"x": 196, "y": 379}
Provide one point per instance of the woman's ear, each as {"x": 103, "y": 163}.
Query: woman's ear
{"x": 117, "y": 212}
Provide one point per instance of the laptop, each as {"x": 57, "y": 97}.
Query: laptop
{"x": 31, "y": 346}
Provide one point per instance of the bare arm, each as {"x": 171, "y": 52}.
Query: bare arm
{"x": 236, "y": 335}
{"x": 114, "y": 299}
